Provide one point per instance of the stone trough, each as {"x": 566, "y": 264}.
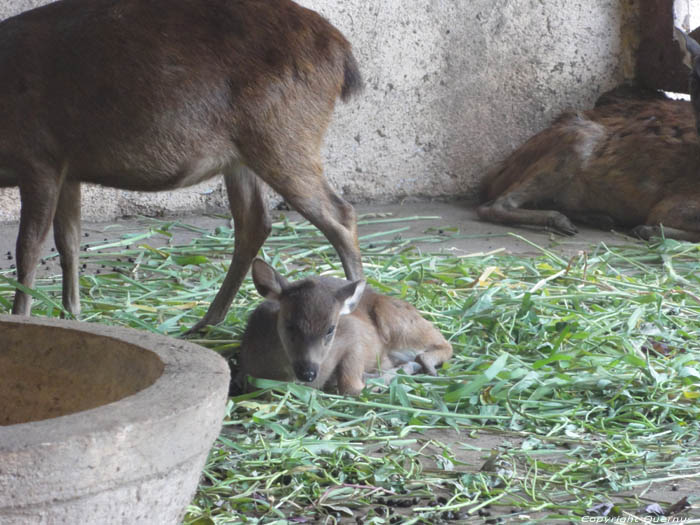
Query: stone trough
{"x": 102, "y": 424}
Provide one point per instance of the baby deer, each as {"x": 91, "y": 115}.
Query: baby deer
{"x": 329, "y": 332}
{"x": 155, "y": 95}
{"x": 631, "y": 161}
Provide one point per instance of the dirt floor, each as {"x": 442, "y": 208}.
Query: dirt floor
{"x": 475, "y": 237}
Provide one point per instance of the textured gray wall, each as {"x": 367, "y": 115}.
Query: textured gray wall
{"x": 452, "y": 87}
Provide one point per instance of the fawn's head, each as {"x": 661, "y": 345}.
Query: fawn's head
{"x": 691, "y": 57}
{"x": 308, "y": 314}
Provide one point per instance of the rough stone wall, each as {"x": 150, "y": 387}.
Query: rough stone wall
{"x": 452, "y": 87}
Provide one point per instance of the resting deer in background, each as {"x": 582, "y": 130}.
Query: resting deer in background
{"x": 154, "y": 95}
{"x": 329, "y": 333}
{"x": 630, "y": 162}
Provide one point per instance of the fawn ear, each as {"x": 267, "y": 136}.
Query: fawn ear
{"x": 349, "y": 296}
{"x": 690, "y": 49}
{"x": 268, "y": 281}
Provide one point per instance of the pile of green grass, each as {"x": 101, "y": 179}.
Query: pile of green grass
{"x": 584, "y": 371}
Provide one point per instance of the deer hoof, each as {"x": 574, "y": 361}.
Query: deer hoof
{"x": 646, "y": 232}
{"x": 197, "y": 328}
{"x": 426, "y": 365}
{"x": 562, "y": 224}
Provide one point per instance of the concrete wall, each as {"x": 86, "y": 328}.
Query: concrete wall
{"x": 452, "y": 87}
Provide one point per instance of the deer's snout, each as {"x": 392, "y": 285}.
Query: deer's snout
{"x": 305, "y": 371}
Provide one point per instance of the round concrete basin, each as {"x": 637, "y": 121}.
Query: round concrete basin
{"x": 101, "y": 424}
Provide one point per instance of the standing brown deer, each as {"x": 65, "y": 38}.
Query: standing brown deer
{"x": 632, "y": 161}
{"x": 329, "y": 332}
{"x": 153, "y": 95}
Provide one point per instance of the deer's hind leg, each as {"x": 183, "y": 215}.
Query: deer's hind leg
{"x": 387, "y": 375}
{"x": 285, "y": 151}
{"x": 676, "y": 217}
{"x": 540, "y": 183}
{"x": 404, "y": 330}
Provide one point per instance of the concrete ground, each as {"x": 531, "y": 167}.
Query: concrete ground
{"x": 478, "y": 236}
{"x": 475, "y": 236}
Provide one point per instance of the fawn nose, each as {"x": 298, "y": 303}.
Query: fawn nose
{"x": 305, "y": 372}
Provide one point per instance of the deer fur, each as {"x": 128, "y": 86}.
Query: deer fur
{"x": 154, "y": 95}
{"x": 329, "y": 333}
{"x": 633, "y": 162}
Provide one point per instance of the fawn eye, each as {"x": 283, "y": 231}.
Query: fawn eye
{"x": 329, "y": 335}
